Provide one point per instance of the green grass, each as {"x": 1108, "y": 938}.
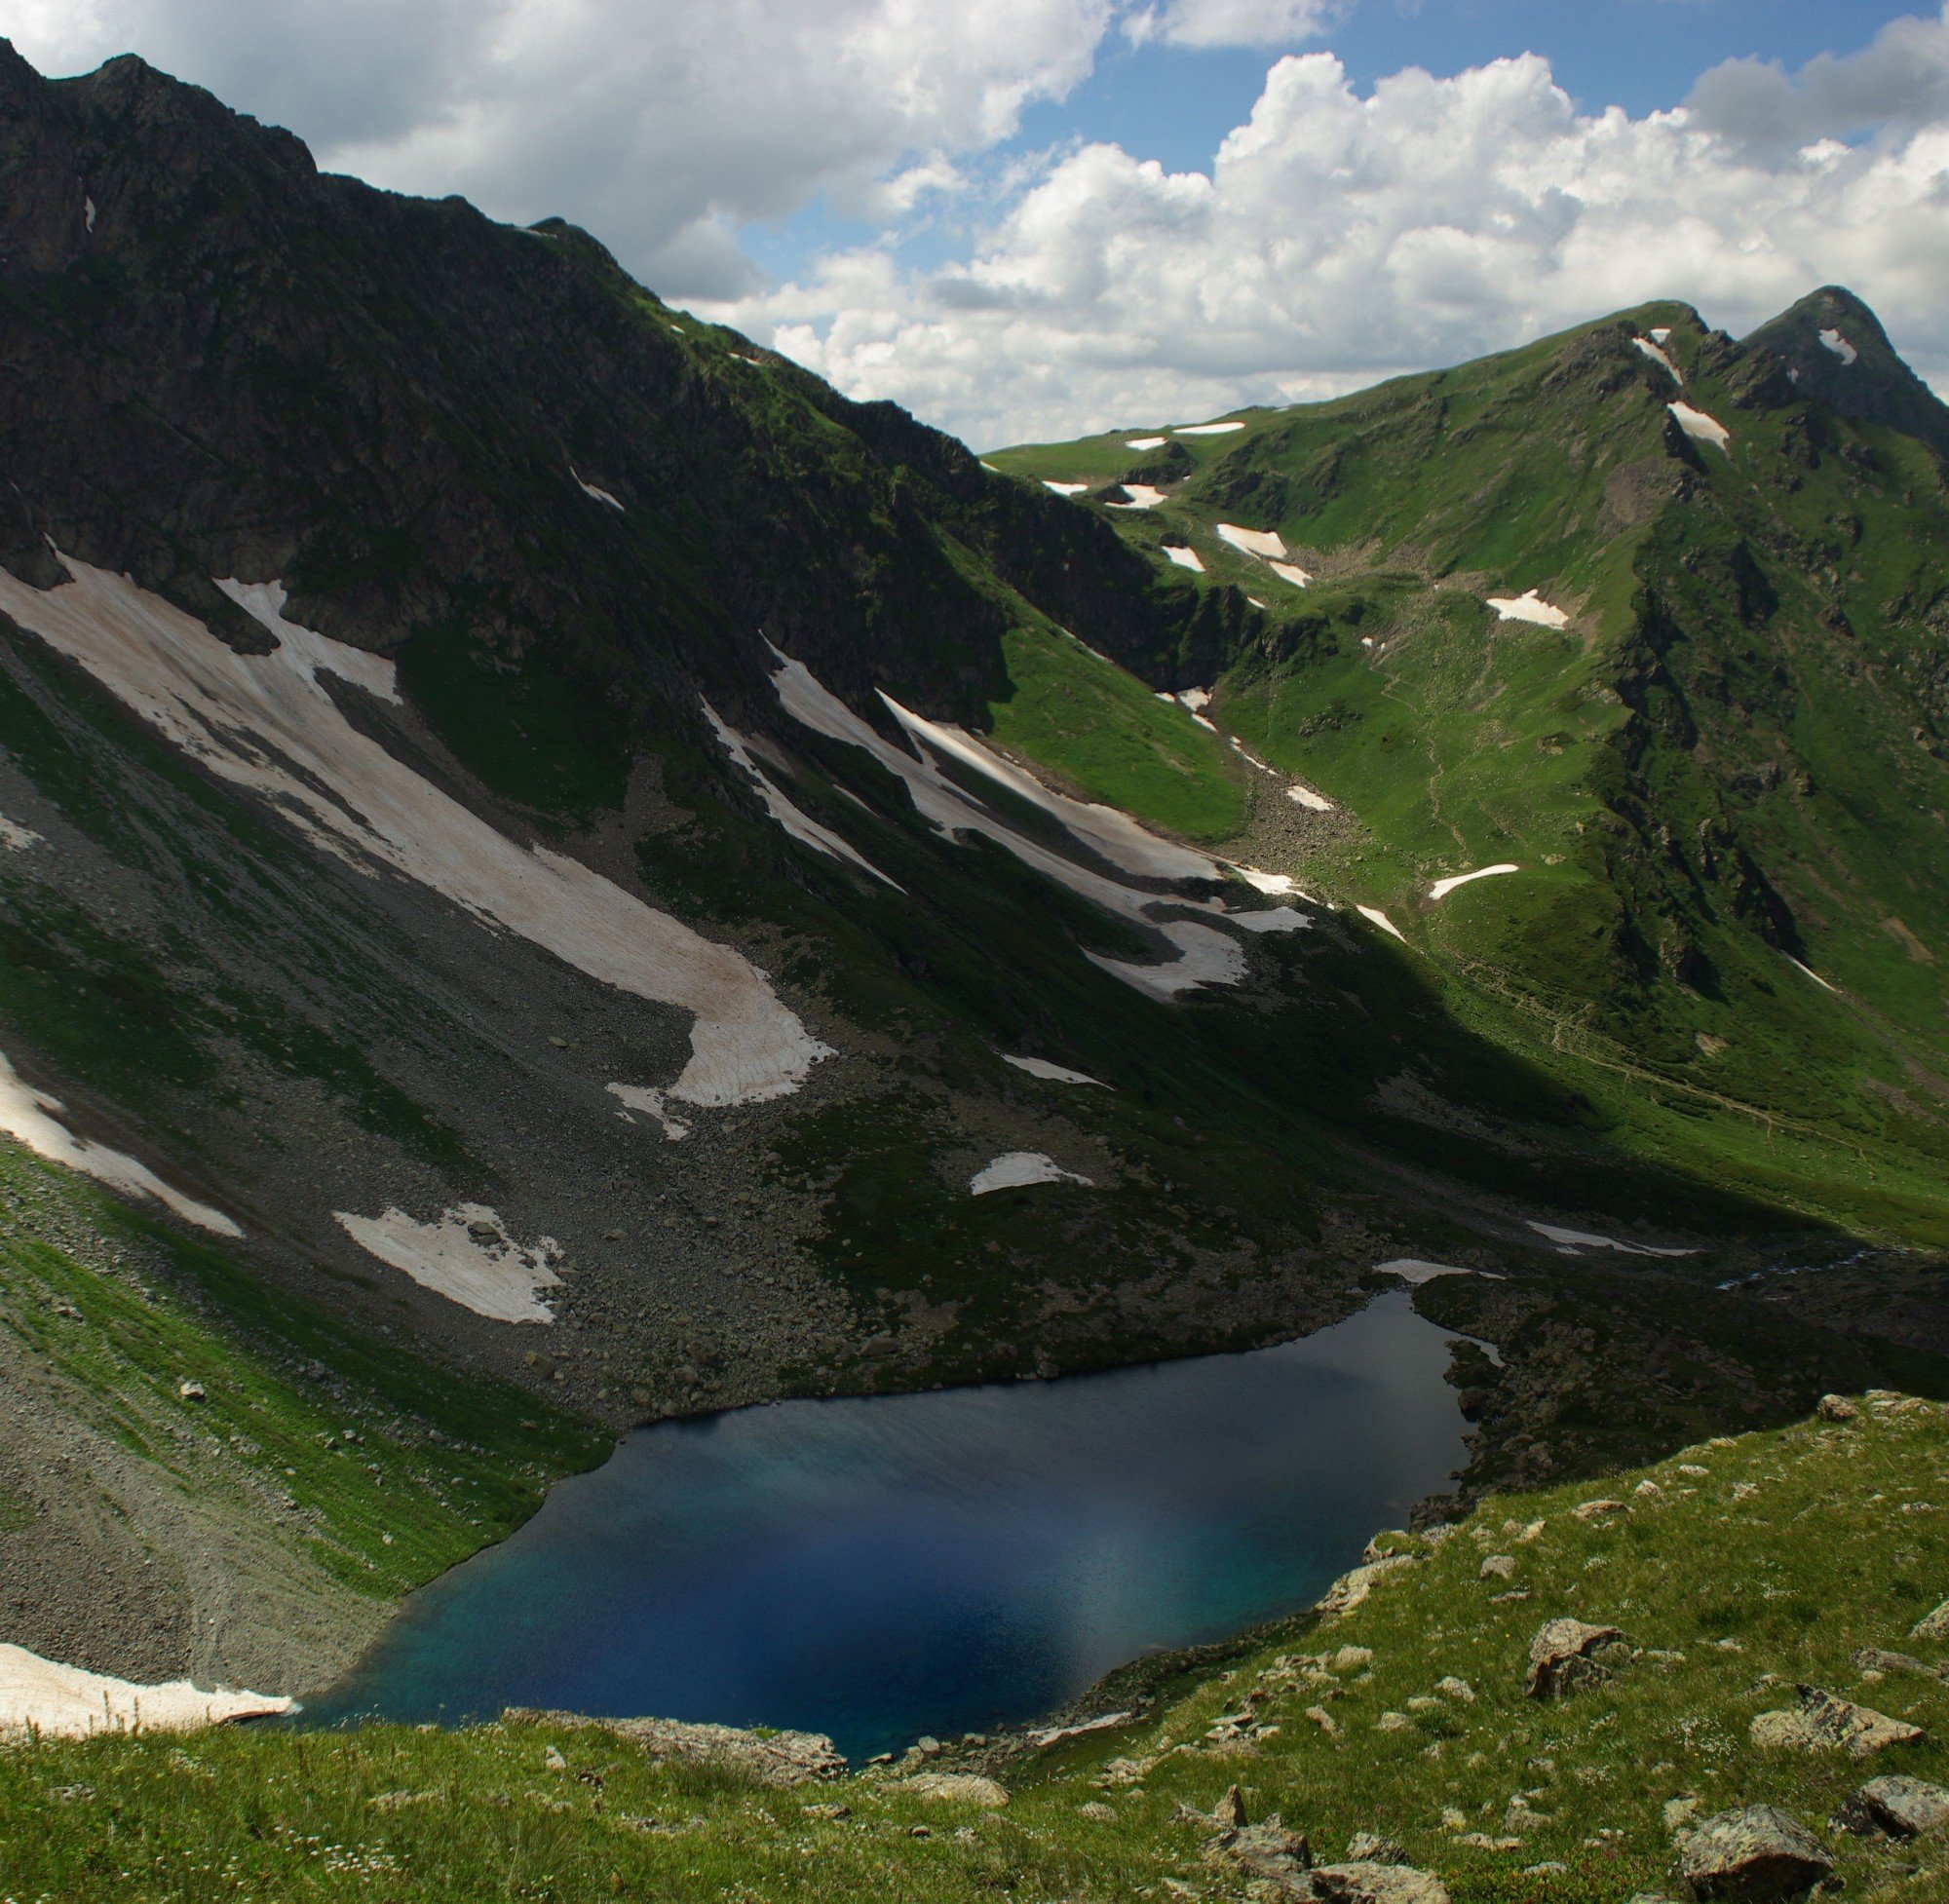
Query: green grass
{"x": 126, "y": 1309}
{"x": 1106, "y": 734}
{"x": 1754, "y": 1564}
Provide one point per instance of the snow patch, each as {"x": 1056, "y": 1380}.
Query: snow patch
{"x": 1206, "y": 428}
{"x": 263, "y": 723}
{"x": 1812, "y": 974}
{"x": 1184, "y": 557}
{"x": 1145, "y": 442}
{"x": 466, "y": 1255}
{"x": 1586, "y": 1240}
{"x": 1017, "y": 1170}
{"x": 1661, "y": 335}
{"x": 44, "y": 1698}
{"x": 1250, "y": 759}
{"x": 1374, "y": 916}
{"x": 800, "y": 825}
{"x": 1065, "y": 488}
{"x": 590, "y": 489}
{"x": 1701, "y": 428}
{"x": 1290, "y": 572}
{"x": 16, "y": 838}
{"x": 36, "y": 1120}
{"x": 1252, "y": 542}
{"x": 87, "y": 213}
{"x": 1414, "y": 1272}
{"x": 1142, "y": 495}
{"x": 650, "y": 1101}
{"x": 1442, "y": 888}
{"x": 1054, "y": 1073}
{"x": 1279, "y": 885}
{"x": 1839, "y": 345}
{"x": 1197, "y": 699}
{"x": 1303, "y": 795}
{"x": 1655, "y": 352}
{"x": 1528, "y": 607}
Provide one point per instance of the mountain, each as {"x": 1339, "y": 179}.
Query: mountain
{"x": 1639, "y": 617}
{"x": 1835, "y": 348}
{"x": 557, "y": 872}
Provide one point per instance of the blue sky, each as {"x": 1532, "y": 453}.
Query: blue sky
{"x": 1013, "y": 217}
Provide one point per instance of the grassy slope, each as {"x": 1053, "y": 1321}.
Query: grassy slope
{"x": 1688, "y": 707}
{"x": 1756, "y": 1563}
{"x": 126, "y": 1307}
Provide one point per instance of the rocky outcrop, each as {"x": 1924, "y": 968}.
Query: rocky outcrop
{"x": 958, "y": 1788}
{"x": 770, "y": 1758}
{"x": 1825, "y": 1721}
{"x": 1754, "y": 1855}
{"x": 1894, "y": 1806}
{"x": 1567, "y": 1653}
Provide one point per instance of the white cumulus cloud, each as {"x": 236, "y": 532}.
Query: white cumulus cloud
{"x": 1338, "y": 235}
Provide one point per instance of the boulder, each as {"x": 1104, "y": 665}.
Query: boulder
{"x": 1499, "y": 1566}
{"x": 1836, "y": 1408}
{"x": 1350, "y": 1590}
{"x": 1879, "y": 1659}
{"x": 1230, "y": 1811}
{"x": 957, "y": 1788}
{"x": 1824, "y": 1721}
{"x": 1932, "y": 1625}
{"x": 1373, "y": 1847}
{"x": 1365, "y": 1881}
{"x": 1567, "y": 1653}
{"x": 1269, "y": 1852}
{"x": 1593, "y": 1510}
{"x": 1754, "y": 1854}
{"x": 1896, "y": 1806}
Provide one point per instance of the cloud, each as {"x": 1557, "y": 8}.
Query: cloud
{"x": 1339, "y": 237}
{"x": 1897, "y": 84}
{"x": 664, "y": 129}
{"x": 1235, "y": 22}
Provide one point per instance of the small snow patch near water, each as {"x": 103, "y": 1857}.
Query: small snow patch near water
{"x": 1145, "y": 442}
{"x": 1657, "y": 354}
{"x": 1290, "y": 572}
{"x": 1252, "y": 542}
{"x": 1839, "y": 345}
{"x": 15, "y": 838}
{"x": 42, "y": 1697}
{"x": 1442, "y": 888}
{"x": 1206, "y": 428}
{"x": 466, "y": 1255}
{"x": 1374, "y": 916}
{"x": 1528, "y": 607}
{"x": 1065, "y": 488}
{"x": 1184, "y": 557}
{"x": 1701, "y": 428}
{"x": 1054, "y": 1073}
{"x": 590, "y": 491}
{"x": 1414, "y": 1272}
{"x": 1587, "y": 1240}
{"x": 36, "y": 1120}
{"x": 1017, "y": 1170}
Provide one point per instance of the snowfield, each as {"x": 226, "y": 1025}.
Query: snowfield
{"x": 1528, "y": 607}
{"x": 1574, "y": 1239}
{"x": 466, "y": 1255}
{"x": 1657, "y": 352}
{"x": 1290, "y": 572}
{"x": 16, "y": 838}
{"x": 265, "y": 723}
{"x": 801, "y": 826}
{"x": 1054, "y": 1073}
{"x": 1701, "y": 428}
{"x": 55, "y": 1701}
{"x": 1252, "y": 542}
{"x": 1017, "y": 1170}
{"x": 1442, "y": 888}
{"x": 599, "y": 495}
{"x": 32, "y": 1117}
{"x": 1184, "y": 557}
{"x": 1206, "y": 428}
{"x": 1206, "y": 955}
{"x": 1833, "y": 341}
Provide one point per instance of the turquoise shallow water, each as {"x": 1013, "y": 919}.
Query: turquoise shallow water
{"x": 881, "y": 1568}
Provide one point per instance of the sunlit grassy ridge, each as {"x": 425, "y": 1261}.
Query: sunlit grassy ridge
{"x": 1736, "y": 1570}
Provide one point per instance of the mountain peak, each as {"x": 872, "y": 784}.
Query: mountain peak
{"x": 1835, "y": 348}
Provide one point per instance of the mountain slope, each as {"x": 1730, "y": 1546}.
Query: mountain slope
{"x": 1705, "y": 721}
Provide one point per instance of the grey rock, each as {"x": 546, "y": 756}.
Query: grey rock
{"x": 1230, "y": 1811}
{"x": 1825, "y": 1722}
{"x": 1895, "y": 1806}
{"x": 1754, "y": 1854}
{"x": 958, "y": 1788}
{"x": 1269, "y": 1851}
{"x": 1567, "y": 1653}
{"x": 1363, "y": 1881}
{"x": 1836, "y": 1408}
{"x": 1932, "y": 1625}
{"x": 1370, "y": 1847}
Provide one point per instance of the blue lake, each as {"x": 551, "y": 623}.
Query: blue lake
{"x": 881, "y": 1568}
